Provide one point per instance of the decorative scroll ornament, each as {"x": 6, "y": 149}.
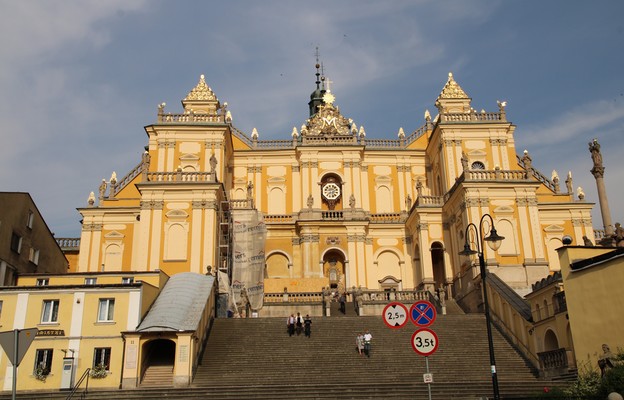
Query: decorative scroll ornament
{"x": 452, "y": 90}
{"x": 201, "y": 91}
{"x": 328, "y": 122}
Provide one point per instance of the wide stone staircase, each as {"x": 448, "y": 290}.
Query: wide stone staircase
{"x": 256, "y": 359}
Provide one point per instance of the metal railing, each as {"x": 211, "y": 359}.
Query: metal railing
{"x": 85, "y": 378}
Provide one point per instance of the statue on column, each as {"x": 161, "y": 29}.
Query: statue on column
{"x": 249, "y": 189}
{"x": 594, "y": 148}
{"x": 408, "y": 202}
{"x": 310, "y": 201}
{"x": 352, "y": 201}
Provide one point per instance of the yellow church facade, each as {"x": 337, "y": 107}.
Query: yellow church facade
{"x": 342, "y": 210}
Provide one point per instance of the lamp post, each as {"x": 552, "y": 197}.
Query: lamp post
{"x": 494, "y": 242}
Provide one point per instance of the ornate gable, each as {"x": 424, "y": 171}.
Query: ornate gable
{"x": 328, "y": 126}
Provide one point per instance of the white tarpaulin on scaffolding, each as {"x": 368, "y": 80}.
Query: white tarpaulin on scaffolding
{"x": 249, "y": 235}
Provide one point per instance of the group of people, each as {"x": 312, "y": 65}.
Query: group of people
{"x": 363, "y": 342}
{"x": 299, "y": 324}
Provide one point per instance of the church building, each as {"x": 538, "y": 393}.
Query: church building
{"x": 341, "y": 210}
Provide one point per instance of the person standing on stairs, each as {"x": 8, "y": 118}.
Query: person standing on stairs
{"x": 343, "y": 303}
{"x": 359, "y": 341}
{"x": 299, "y": 323}
{"x": 307, "y": 325}
{"x": 290, "y": 324}
{"x": 368, "y": 337}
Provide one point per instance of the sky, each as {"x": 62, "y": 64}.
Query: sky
{"x": 79, "y": 79}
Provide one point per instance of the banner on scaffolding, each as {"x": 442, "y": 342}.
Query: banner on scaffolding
{"x": 249, "y": 236}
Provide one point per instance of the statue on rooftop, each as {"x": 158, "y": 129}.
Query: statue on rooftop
{"x": 102, "y": 189}
{"x": 464, "y": 161}
{"x": 619, "y": 235}
{"x": 213, "y": 163}
{"x": 527, "y": 161}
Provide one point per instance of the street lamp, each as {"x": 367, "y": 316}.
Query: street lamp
{"x": 494, "y": 242}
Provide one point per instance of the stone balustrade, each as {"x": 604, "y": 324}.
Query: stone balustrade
{"x": 436, "y": 201}
{"x": 181, "y": 176}
{"x": 473, "y": 117}
{"x": 494, "y": 175}
{"x": 386, "y": 218}
{"x": 332, "y": 215}
{"x": 190, "y": 117}
{"x": 68, "y": 243}
{"x": 304, "y": 297}
{"x": 553, "y": 359}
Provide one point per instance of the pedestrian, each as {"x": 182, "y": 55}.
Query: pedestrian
{"x": 299, "y": 323}
{"x": 359, "y": 342}
{"x": 368, "y": 337}
{"x": 290, "y": 324}
{"x": 307, "y": 325}
{"x": 343, "y": 302}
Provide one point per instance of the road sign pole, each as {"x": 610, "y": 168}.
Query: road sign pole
{"x": 15, "y": 343}
{"x": 427, "y": 368}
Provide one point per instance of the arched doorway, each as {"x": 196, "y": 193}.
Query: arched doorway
{"x": 550, "y": 341}
{"x": 158, "y": 354}
{"x": 437, "y": 261}
{"x": 334, "y": 269}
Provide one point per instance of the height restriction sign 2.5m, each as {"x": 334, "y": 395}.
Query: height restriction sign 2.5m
{"x": 422, "y": 313}
{"x": 395, "y": 315}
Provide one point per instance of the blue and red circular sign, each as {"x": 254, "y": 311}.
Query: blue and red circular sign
{"x": 422, "y": 313}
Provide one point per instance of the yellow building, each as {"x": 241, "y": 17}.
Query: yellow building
{"x": 341, "y": 209}
{"x": 593, "y": 278}
{"x": 80, "y": 319}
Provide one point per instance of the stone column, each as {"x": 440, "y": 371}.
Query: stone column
{"x": 598, "y": 173}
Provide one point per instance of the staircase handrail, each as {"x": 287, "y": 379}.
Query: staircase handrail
{"x": 84, "y": 376}
{"x": 526, "y": 352}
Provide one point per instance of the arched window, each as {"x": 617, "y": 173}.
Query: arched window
{"x": 477, "y": 165}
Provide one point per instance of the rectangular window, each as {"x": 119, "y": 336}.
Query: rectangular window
{"x": 0, "y": 308}
{"x": 106, "y": 310}
{"x": 90, "y": 281}
{"x": 43, "y": 282}
{"x": 43, "y": 362}
{"x": 16, "y": 243}
{"x": 127, "y": 281}
{"x": 33, "y": 257}
{"x": 30, "y": 220}
{"x": 49, "y": 314}
{"x": 101, "y": 357}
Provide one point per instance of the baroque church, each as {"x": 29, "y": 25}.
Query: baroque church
{"x": 342, "y": 210}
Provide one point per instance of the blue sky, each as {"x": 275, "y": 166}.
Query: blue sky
{"x": 80, "y": 79}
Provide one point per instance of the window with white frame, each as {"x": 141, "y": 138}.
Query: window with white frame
{"x": 43, "y": 282}
{"x": 127, "y": 280}
{"x": 43, "y": 362}
{"x": 30, "y": 220}
{"x": 90, "y": 281}
{"x": 106, "y": 310}
{"x": 16, "y": 243}
{"x": 49, "y": 312}
{"x": 33, "y": 257}
{"x": 101, "y": 357}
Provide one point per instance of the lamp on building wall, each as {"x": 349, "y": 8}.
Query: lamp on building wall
{"x": 494, "y": 242}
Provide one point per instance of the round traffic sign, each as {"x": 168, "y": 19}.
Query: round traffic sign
{"x": 395, "y": 315}
{"x": 422, "y": 313}
{"x": 425, "y": 341}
